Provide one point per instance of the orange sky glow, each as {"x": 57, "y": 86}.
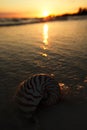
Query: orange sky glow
{"x": 39, "y": 8}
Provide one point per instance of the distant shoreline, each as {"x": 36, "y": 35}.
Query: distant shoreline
{"x": 24, "y": 21}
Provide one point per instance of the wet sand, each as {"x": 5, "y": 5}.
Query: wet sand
{"x": 67, "y": 115}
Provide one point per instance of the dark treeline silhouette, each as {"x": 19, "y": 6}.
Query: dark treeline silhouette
{"x": 81, "y": 11}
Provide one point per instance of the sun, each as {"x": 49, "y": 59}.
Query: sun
{"x": 45, "y": 13}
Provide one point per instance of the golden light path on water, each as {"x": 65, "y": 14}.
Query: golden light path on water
{"x": 45, "y": 39}
{"x": 65, "y": 90}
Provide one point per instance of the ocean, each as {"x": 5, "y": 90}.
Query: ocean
{"x": 58, "y": 48}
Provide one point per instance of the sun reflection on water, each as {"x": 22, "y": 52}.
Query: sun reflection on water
{"x": 44, "y": 54}
{"x": 45, "y": 34}
{"x": 45, "y": 39}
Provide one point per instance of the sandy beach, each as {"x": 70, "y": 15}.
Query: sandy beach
{"x": 67, "y": 115}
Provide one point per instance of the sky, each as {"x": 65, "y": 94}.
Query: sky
{"x": 38, "y": 8}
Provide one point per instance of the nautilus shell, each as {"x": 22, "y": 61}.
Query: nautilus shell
{"x": 40, "y": 89}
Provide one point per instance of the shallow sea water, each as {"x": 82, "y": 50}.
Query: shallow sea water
{"x": 58, "y": 48}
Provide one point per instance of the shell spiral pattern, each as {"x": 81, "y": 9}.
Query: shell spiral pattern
{"x": 38, "y": 89}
